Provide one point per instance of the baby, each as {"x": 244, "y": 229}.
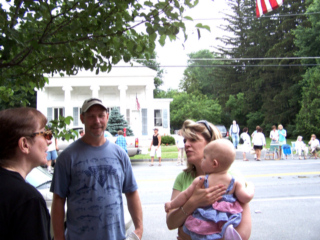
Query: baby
{"x": 212, "y": 221}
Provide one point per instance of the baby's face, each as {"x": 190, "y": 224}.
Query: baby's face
{"x": 206, "y": 163}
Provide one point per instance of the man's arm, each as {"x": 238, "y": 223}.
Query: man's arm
{"x": 159, "y": 141}
{"x": 135, "y": 209}
{"x": 151, "y": 144}
{"x": 57, "y": 216}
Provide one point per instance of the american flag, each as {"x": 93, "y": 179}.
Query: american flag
{"x": 138, "y": 104}
{"x": 264, "y": 6}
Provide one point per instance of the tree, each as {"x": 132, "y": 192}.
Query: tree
{"x": 307, "y": 39}
{"x": 199, "y": 75}
{"x": 193, "y": 106}
{"x": 116, "y": 122}
{"x": 270, "y": 86}
{"x": 153, "y": 64}
{"x": 63, "y": 36}
{"x": 308, "y": 119}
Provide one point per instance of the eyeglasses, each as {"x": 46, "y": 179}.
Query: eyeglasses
{"x": 205, "y": 122}
{"x": 47, "y": 134}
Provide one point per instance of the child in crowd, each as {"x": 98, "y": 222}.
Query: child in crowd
{"x": 217, "y": 220}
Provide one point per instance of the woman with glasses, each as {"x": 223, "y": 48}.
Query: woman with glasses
{"x": 23, "y": 146}
{"x": 197, "y": 135}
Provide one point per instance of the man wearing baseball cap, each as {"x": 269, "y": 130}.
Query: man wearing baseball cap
{"x": 91, "y": 174}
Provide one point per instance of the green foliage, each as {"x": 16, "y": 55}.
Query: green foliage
{"x": 197, "y": 78}
{"x": 307, "y": 39}
{"x": 117, "y": 122}
{"x": 255, "y": 119}
{"x": 308, "y": 119}
{"x": 60, "y": 130}
{"x": 191, "y": 106}
{"x": 268, "y": 86}
{"x": 237, "y": 107}
{"x": 167, "y": 140}
{"x": 59, "y": 36}
{"x": 155, "y": 66}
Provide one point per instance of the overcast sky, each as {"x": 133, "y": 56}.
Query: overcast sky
{"x": 173, "y": 53}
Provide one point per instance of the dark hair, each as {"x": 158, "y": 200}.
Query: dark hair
{"x": 274, "y": 127}
{"x": 259, "y": 129}
{"x": 245, "y": 129}
{"x": 120, "y": 132}
{"x": 14, "y": 124}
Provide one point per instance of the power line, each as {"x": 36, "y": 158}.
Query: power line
{"x": 242, "y": 66}
{"x": 240, "y": 59}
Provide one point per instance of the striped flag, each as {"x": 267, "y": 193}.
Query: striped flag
{"x": 264, "y": 6}
{"x": 138, "y": 104}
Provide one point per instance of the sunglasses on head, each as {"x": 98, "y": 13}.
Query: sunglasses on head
{"x": 46, "y": 134}
{"x": 206, "y": 124}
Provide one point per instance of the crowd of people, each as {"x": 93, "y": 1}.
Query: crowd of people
{"x": 278, "y": 139}
{"x": 92, "y": 174}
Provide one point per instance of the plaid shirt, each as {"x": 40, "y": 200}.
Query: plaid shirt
{"x": 121, "y": 141}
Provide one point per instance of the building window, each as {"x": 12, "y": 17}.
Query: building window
{"x": 58, "y": 112}
{"x": 128, "y": 116}
{"x": 76, "y": 116}
{"x": 144, "y": 121}
{"x": 158, "y": 118}
{"x": 54, "y": 113}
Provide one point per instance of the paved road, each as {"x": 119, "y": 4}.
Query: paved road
{"x": 286, "y": 203}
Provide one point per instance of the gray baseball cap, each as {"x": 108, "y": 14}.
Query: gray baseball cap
{"x": 90, "y": 102}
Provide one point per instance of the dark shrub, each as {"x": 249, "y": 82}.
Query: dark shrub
{"x": 167, "y": 140}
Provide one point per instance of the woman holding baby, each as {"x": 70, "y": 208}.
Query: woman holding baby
{"x": 197, "y": 135}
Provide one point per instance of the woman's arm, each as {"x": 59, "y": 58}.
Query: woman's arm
{"x": 201, "y": 197}
{"x": 244, "y": 228}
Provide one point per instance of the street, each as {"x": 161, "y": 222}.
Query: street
{"x": 286, "y": 203}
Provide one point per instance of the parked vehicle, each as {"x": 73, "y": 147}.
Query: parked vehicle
{"x": 41, "y": 179}
{"x": 223, "y": 130}
{"x": 132, "y": 142}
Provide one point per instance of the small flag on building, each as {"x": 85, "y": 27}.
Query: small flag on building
{"x": 264, "y": 6}
{"x": 138, "y": 104}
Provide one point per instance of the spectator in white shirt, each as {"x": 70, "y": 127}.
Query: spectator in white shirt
{"x": 180, "y": 146}
{"x": 301, "y": 146}
{"x": 274, "y": 135}
{"x": 258, "y": 142}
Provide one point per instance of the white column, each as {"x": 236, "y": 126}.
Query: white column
{"x": 95, "y": 90}
{"x": 67, "y": 101}
{"x": 123, "y": 96}
{"x": 150, "y": 107}
{"x": 41, "y": 100}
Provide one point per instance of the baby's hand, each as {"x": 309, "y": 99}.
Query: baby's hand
{"x": 167, "y": 206}
{"x": 250, "y": 187}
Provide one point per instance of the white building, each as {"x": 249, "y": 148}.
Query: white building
{"x": 120, "y": 88}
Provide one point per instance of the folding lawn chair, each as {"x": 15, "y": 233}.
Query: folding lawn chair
{"x": 287, "y": 150}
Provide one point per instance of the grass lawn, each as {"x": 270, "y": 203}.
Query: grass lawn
{"x": 171, "y": 151}
{"x": 167, "y": 152}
